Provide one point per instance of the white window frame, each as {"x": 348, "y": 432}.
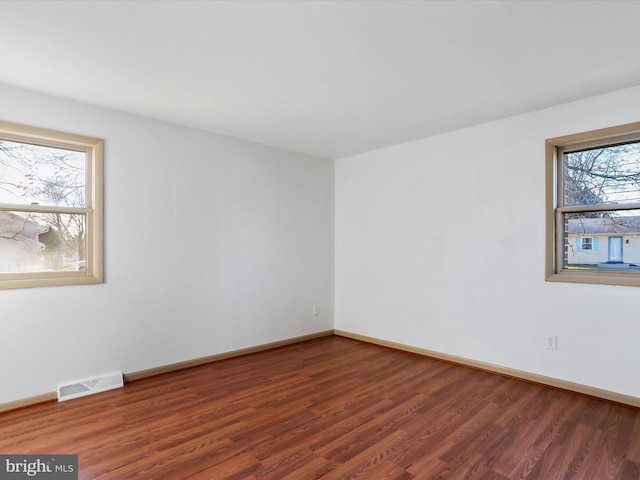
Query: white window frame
{"x": 94, "y": 149}
{"x": 554, "y": 147}
{"x": 589, "y": 242}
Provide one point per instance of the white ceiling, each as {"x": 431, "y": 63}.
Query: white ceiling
{"x": 328, "y": 78}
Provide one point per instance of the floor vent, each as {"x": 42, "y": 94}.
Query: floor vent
{"x": 90, "y": 386}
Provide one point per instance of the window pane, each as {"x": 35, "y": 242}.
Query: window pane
{"x": 43, "y": 175}
{"x": 613, "y": 239}
{"x": 602, "y": 175}
{"x": 42, "y": 242}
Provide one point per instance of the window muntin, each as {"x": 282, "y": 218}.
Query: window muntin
{"x": 593, "y": 207}
{"x": 50, "y": 207}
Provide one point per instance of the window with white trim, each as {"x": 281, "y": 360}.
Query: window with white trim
{"x": 50, "y": 207}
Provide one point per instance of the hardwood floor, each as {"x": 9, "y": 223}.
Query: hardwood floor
{"x": 333, "y": 408}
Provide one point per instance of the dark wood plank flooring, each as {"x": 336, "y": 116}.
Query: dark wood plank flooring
{"x": 333, "y": 408}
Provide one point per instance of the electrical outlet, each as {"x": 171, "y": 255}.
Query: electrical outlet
{"x": 552, "y": 342}
{"x": 316, "y": 310}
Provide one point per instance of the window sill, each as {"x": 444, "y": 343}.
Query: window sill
{"x": 630, "y": 279}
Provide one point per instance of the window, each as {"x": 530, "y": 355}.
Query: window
{"x": 50, "y": 208}
{"x": 593, "y": 207}
{"x": 585, "y": 243}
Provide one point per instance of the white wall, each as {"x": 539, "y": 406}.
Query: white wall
{"x": 440, "y": 245}
{"x": 214, "y": 244}
{"x": 211, "y": 244}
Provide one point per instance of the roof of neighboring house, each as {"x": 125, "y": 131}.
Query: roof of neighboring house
{"x": 604, "y": 226}
{"x": 21, "y": 230}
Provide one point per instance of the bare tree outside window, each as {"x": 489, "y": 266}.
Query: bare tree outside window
{"x": 607, "y": 175}
{"x": 40, "y": 186}
{"x": 600, "y": 188}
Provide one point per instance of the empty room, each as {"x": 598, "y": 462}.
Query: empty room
{"x": 319, "y": 240}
